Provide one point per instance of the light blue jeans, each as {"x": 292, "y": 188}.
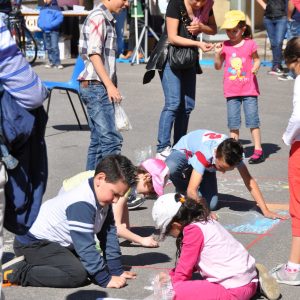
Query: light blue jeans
{"x": 250, "y": 105}
{"x": 105, "y": 139}
{"x": 179, "y": 89}
{"x": 180, "y": 173}
{"x": 51, "y": 40}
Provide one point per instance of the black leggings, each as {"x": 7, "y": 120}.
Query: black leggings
{"x": 49, "y": 264}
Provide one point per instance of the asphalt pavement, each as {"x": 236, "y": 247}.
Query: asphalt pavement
{"x": 67, "y": 147}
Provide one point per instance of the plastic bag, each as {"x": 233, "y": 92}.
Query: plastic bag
{"x": 121, "y": 119}
{"x": 162, "y": 288}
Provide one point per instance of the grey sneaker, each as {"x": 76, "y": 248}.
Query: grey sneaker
{"x": 276, "y": 71}
{"x": 59, "y": 67}
{"x": 285, "y": 77}
{"x": 135, "y": 200}
{"x": 282, "y": 274}
{"x": 164, "y": 154}
{"x": 268, "y": 285}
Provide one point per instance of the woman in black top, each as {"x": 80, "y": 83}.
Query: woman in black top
{"x": 179, "y": 86}
{"x": 275, "y": 21}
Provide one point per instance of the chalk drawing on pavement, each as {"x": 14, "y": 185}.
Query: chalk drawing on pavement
{"x": 247, "y": 222}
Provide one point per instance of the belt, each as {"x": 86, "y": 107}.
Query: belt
{"x": 86, "y": 83}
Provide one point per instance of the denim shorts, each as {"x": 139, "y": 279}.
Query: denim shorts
{"x": 250, "y": 106}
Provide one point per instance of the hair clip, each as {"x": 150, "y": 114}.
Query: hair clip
{"x": 182, "y": 199}
{"x": 179, "y": 198}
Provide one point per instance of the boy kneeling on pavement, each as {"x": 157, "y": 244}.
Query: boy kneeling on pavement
{"x": 60, "y": 250}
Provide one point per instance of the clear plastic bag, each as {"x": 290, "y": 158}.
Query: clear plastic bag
{"x": 162, "y": 288}
{"x": 121, "y": 119}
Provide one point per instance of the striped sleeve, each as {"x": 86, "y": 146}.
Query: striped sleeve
{"x": 81, "y": 218}
{"x": 16, "y": 75}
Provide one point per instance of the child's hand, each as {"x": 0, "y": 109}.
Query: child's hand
{"x": 149, "y": 242}
{"x": 113, "y": 94}
{"x": 128, "y": 275}
{"x": 205, "y": 47}
{"x": 254, "y": 70}
{"x": 117, "y": 282}
{"x": 163, "y": 277}
{"x": 218, "y": 47}
{"x": 272, "y": 215}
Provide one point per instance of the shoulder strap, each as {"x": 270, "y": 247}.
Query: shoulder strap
{"x": 185, "y": 19}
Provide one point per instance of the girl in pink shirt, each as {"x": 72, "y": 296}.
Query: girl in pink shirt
{"x": 205, "y": 246}
{"x": 240, "y": 84}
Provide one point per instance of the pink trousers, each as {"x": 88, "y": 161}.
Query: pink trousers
{"x": 205, "y": 290}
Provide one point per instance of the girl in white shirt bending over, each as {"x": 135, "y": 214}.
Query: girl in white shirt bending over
{"x": 205, "y": 246}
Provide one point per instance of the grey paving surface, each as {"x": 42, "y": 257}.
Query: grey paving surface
{"x": 67, "y": 148}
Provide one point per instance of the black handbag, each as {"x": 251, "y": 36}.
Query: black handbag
{"x": 182, "y": 58}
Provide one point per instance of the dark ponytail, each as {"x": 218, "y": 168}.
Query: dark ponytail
{"x": 248, "y": 32}
{"x": 190, "y": 211}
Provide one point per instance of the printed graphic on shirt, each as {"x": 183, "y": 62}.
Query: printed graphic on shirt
{"x": 236, "y": 68}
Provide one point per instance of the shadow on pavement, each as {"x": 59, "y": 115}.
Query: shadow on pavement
{"x": 236, "y": 203}
{"x": 87, "y": 295}
{"x": 144, "y": 259}
{"x": 268, "y": 148}
{"x": 71, "y": 127}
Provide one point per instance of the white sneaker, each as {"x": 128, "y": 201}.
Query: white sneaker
{"x": 60, "y": 67}
{"x": 49, "y": 66}
{"x": 164, "y": 154}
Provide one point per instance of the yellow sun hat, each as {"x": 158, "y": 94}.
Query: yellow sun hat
{"x": 232, "y": 19}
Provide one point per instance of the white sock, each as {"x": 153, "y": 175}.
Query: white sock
{"x": 293, "y": 267}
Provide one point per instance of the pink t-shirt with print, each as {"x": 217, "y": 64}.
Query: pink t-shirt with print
{"x": 238, "y": 79}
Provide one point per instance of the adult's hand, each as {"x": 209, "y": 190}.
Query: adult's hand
{"x": 205, "y": 47}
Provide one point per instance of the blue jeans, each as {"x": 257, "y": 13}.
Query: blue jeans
{"x": 276, "y": 29}
{"x": 293, "y": 30}
{"x": 51, "y": 40}
{"x": 179, "y": 89}
{"x": 180, "y": 173}
{"x": 120, "y": 18}
{"x": 105, "y": 139}
{"x": 250, "y": 106}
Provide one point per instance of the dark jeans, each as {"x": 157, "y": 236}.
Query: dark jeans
{"x": 276, "y": 29}
{"x": 179, "y": 90}
{"x": 70, "y": 26}
{"x": 180, "y": 173}
{"x": 49, "y": 265}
